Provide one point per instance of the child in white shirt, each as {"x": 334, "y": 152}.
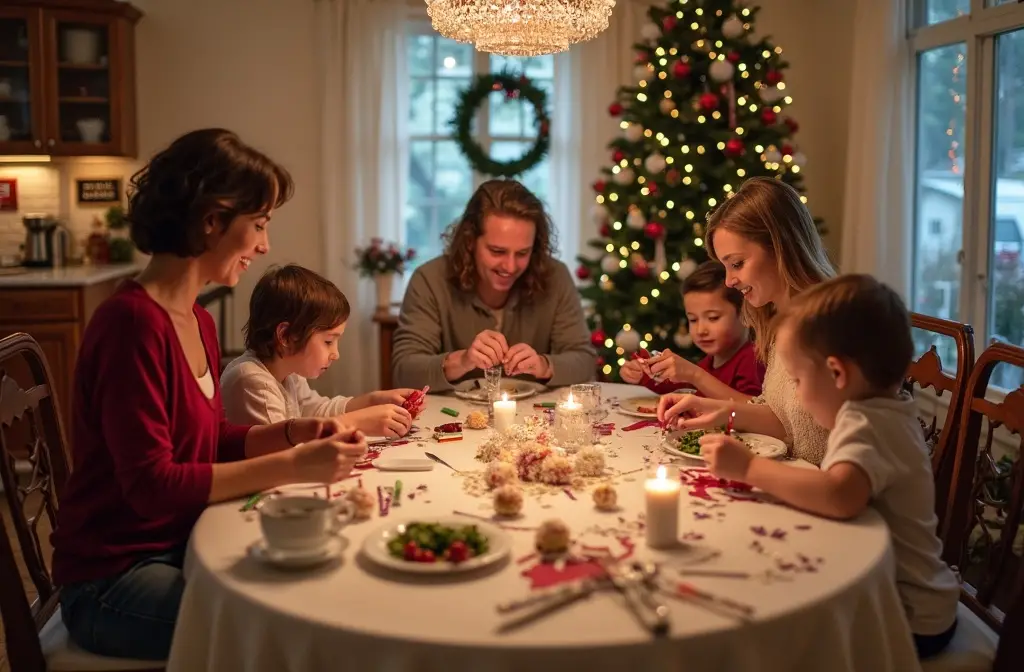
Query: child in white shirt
{"x": 846, "y": 343}
{"x": 296, "y": 318}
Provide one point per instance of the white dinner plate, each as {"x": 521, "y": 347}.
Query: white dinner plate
{"x": 403, "y": 464}
{"x": 375, "y": 548}
{"x": 759, "y": 444}
{"x": 472, "y": 390}
{"x": 632, "y": 406}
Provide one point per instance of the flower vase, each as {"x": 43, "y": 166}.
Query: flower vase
{"x": 384, "y": 282}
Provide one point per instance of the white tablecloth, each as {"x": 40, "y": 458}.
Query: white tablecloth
{"x": 238, "y": 614}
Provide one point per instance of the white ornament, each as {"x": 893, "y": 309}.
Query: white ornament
{"x": 773, "y": 155}
{"x": 732, "y": 27}
{"x": 650, "y": 32}
{"x": 666, "y": 105}
{"x": 686, "y": 268}
{"x": 642, "y": 72}
{"x": 628, "y": 340}
{"x": 800, "y": 159}
{"x": 769, "y": 94}
{"x": 722, "y": 71}
{"x": 599, "y": 214}
{"x": 634, "y": 133}
{"x": 682, "y": 339}
{"x": 610, "y": 264}
{"x": 624, "y": 176}
{"x": 655, "y": 163}
{"x": 636, "y": 219}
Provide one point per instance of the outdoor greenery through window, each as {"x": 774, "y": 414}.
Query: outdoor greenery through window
{"x": 969, "y": 245}
{"x": 440, "y": 179}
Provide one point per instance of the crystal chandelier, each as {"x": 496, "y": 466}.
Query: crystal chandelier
{"x": 520, "y": 27}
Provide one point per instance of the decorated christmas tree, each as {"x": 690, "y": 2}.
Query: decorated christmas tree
{"x": 706, "y": 113}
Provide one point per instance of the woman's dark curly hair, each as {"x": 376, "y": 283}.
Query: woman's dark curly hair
{"x": 203, "y": 174}
{"x": 508, "y": 198}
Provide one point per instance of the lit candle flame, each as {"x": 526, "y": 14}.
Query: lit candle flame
{"x": 661, "y": 472}
{"x": 504, "y": 396}
{"x": 570, "y": 398}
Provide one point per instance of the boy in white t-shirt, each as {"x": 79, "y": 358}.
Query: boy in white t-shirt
{"x": 847, "y": 345}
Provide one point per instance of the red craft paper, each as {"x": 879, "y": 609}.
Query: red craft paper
{"x": 642, "y": 424}
{"x": 701, "y": 480}
{"x": 547, "y": 574}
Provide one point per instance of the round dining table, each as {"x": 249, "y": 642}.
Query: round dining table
{"x": 816, "y": 594}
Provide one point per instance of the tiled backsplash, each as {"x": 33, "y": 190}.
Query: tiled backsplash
{"x": 49, "y": 189}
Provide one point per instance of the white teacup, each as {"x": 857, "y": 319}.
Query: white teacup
{"x": 301, "y": 523}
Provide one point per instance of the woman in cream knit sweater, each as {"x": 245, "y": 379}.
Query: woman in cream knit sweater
{"x": 771, "y": 250}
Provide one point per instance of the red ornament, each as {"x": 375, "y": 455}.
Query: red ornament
{"x": 641, "y": 268}
{"x": 511, "y": 94}
{"x": 598, "y": 186}
{"x": 605, "y": 230}
{"x": 641, "y": 57}
{"x": 787, "y": 150}
{"x": 582, "y": 272}
{"x": 773, "y": 77}
{"x": 600, "y": 361}
{"x": 672, "y": 177}
{"x": 790, "y": 122}
{"x": 733, "y": 57}
{"x": 681, "y": 70}
{"x": 652, "y": 188}
{"x": 654, "y": 230}
{"x": 768, "y": 117}
{"x": 597, "y": 338}
{"x": 734, "y": 147}
{"x": 545, "y": 127}
{"x": 708, "y": 102}
{"x": 618, "y": 155}
{"x": 668, "y": 23}
{"x": 615, "y": 109}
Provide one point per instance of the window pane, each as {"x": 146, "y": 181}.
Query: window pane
{"x": 453, "y": 179}
{"x": 454, "y": 59}
{"x": 1006, "y": 290}
{"x": 936, "y": 11}
{"x": 421, "y": 170}
{"x": 537, "y": 178}
{"x": 528, "y": 116}
{"x": 419, "y": 50}
{"x": 448, "y": 93}
{"x": 506, "y": 115}
{"x": 421, "y": 106}
{"x": 938, "y": 208}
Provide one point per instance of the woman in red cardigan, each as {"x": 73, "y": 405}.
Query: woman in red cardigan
{"x": 151, "y": 446}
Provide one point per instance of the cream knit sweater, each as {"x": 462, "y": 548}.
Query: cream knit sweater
{"x": 806, "y": 438}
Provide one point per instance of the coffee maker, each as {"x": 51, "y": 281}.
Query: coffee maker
{"x": 46, "y": 242}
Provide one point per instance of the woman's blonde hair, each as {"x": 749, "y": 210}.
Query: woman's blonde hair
{"x": 770, "y": 213}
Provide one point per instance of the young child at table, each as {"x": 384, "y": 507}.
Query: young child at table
{"x": 296, "y": 318}
{"x": 849, "y": 379}
{"x": 731, "y": 369}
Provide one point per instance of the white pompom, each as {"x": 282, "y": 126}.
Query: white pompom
{"x": 624, "y": 176}
{"x": 650, "y": 32}
{"x": 636, "y": 219}
{"x": 769, "y": 94}
{"x": 800, "y": 159}
{"x": 655, "y": 163}
{"x": 666, "y": 105}
{"x": 599, "y": 214}
{"x": 642, "y": 72}
{"x": 773, "y": 155}
{"x": 628, "y": 340}
{"x": 732, "y": 27}
{"x": 686, "y": 268}
{"x": 610, "y": 264}
{"x": 722, "y": 71}
{"x": 682, "y": 339}
{"x": 635, "y": 133}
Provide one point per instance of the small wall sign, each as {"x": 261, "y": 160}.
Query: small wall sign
{"x": 99, "y": 191}
{"x": 8, "y": 194}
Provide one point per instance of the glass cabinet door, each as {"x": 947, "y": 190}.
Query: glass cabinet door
{"x": 84, "y": 84}
{"x": 20, "y": 113}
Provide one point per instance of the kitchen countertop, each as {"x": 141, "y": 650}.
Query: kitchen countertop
{"x": 69, "y": 276}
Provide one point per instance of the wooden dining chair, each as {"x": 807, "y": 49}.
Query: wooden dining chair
{"x": 34, "y": 470}
{"x": 927, "y": 372}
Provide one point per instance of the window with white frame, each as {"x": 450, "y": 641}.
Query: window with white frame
{"x": 440, "y": 180}
{"x": 968, "y": 262}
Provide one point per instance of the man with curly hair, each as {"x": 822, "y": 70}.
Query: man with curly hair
{"x": 496, "y": 297}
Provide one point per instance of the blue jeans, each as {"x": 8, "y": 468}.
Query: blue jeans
{"x": 929, "y": 646}
{"x": 130, "y": 615}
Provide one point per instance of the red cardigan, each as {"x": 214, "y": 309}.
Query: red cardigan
{"x": 144, "y": 438}
{"x": 743, "y": 372}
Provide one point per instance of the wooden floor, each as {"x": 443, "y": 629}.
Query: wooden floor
{"x": 44, "y": 538}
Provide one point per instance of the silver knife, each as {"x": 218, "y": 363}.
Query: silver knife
{"x": 651, "y": 614}
{"x": 564, "y": 598}
{"x": 437, "y": 459}
{"x": 544, "y": 595}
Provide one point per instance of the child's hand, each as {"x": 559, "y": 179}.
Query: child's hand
{"x": 308, "y": 429}
{"x": 387, "y": 420}
{"x": 726, "y": 456}
{"x": 670, "y": 366}
{"x": 632, "y": 372}
{"x": 687, "y": 411}
{"x": 396, "y": 396}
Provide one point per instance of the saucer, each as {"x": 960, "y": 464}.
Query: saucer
{"x": 294, "y": 559}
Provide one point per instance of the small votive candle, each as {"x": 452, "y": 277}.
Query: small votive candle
{"x": 572, "y": 425}
{"x": 662, "y": 498}
{"x": 504, "y": 413}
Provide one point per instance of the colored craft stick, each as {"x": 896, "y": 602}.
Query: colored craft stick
{"x": 545, "y": 404}
{"x": 450, "y": 411}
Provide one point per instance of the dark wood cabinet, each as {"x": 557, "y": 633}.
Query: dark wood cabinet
{"x": 67, "y": 77}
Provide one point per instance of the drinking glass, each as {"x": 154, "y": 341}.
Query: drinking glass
{"x": 492, "y": 390}
{"x": 589, "y": 396}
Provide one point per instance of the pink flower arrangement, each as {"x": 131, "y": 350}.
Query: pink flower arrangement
{"x": 380, "y": 258}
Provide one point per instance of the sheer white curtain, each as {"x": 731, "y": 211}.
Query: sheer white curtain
{"x": 877, "y": 213}
{"x": 586, "y": 79}
{"x": 364, "y": 108}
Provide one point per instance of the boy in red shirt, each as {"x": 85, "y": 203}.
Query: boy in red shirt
{"x": 730, "y": 370}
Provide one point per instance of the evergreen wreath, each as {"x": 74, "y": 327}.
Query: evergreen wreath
{"x": 515, "y": 87}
